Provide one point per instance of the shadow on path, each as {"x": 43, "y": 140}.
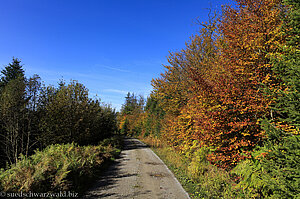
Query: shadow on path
{"x": 130, "y": 144}
{"x": 111, "y": 176}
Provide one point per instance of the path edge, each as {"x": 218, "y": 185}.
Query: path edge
{"x": 172, "y": 174}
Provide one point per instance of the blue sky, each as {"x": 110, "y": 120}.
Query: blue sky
{"x": 111, "y": 46}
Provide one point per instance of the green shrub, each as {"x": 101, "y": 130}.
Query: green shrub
{"x": 274, "y": 170}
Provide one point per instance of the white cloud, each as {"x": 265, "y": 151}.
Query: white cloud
{"x": 115, "y": 91}
{"x": 114, "y": 68}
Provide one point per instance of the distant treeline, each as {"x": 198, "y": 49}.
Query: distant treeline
{"x": 34, "y": 116}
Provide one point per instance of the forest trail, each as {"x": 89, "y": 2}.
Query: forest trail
{"x": 138, "y": 173}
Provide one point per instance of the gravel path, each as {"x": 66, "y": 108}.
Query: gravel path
{"x": 138, "y": 173}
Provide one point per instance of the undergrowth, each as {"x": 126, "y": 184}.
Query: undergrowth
{"x": 58, "y": 167}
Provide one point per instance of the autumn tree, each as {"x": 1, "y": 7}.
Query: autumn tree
{"x": 248, "y": 34}
{"x": 212, "y": 91}
{"x": 186, "y": 90}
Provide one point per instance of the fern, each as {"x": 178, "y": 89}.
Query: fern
{"x": 57, "y": 167}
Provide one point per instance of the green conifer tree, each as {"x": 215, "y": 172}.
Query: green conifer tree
{"x": 11, "y": 71}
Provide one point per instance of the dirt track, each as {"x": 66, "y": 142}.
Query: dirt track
{"x": 138, "y": 173}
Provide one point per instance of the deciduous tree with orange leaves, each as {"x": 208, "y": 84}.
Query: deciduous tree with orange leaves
{"x": 213, "y": 88}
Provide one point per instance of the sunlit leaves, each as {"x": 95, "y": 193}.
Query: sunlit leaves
{"x": 212, "y": 89}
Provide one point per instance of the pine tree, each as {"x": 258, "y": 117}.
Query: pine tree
{"x": 11, "y": 71}
{"x": 287, "y": 67}
{"x": 131, "y": 104}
